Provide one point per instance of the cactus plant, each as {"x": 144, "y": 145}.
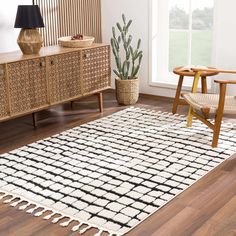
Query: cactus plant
{"x": 127, "y": 67}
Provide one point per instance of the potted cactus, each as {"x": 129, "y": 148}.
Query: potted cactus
{"x": 128, "y": 60}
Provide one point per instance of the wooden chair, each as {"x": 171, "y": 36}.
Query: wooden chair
{"x": 202, "y": 105}
{"x": 182, "y": 76}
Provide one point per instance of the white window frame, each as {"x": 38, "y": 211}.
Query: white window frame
{"x": 159, "y": 35}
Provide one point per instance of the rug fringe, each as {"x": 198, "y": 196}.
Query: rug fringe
{"x": 8, "y": 200}
{"x": 2, "y": 196}
{"x": 49, "y": 216}
{"x": 76, "y": 228}
{"x": 40, "y": 213}
{"x": 65, "y": 224}
{"x": 82, "y": 231}
{"x": 15, "y": 200}
{"x": 99, "y": 233}
{"x": 14, "y": 204}
{"x": 31, "y": 210}
{"x": 22, "y": 208}
{"x": 57, "y": 219}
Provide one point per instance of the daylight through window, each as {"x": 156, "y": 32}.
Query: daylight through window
{"x": 190, "y": 32}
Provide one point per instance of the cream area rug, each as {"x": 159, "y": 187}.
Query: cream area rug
{"x": 112, "y": 173}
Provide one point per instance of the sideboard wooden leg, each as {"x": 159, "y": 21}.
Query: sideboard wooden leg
{"x": 100, "y": 101}
{"x": 34, "y": 116}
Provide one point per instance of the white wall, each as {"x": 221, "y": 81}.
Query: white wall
{"x": 138, "y": 10}
{"x": 9, "y": 35}
{"x": 225, "y": 39}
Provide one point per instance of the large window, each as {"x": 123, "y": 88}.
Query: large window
{"x": 183, "y": 35}
{"x": 190, "y": 35}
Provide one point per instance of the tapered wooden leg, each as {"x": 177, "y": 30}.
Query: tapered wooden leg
{"x": 100, "y": 101}
{"x": 194, "y": 90}
{"x": 195, "y": 81}
{"x": 219, "y": 115}
{"x": 217, "y": 130}
{"x": 190, "y": 117}
{"x": 177, "y": 96}
{"x": 204, "y": 84}
{"x": 34, "y": 117}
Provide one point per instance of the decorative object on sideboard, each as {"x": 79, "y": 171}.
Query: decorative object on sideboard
{"x": 29, "y": 18}
{"x": 77, "y": 41}
{"x": 127, "y": 83}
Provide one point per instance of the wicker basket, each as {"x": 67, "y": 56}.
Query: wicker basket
{"x": 67, "y": 42}
{"x": 127, "y": 91}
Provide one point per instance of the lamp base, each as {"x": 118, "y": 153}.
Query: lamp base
{"x": 30, "y": 41}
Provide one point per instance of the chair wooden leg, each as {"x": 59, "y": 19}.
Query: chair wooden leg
{"x": 217, "y": 130}
{"x": 204, "y": 84}
{"x": 177, "y": 96}
{"x": 219, "y": 115}
{"x": 190, "y": 117}
{"x": 195, "y": 82}
{"x": 34, "y": 117}
{"x": 100, "y": 101}
{"x": 194, "y": 90}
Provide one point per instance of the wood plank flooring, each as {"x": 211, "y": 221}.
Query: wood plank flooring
{"x": 208, "y": 208}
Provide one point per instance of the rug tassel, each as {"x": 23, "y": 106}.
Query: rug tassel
{"x": 85, "y": 229}
{"x": 2, "y": 196}
{"x": 99, "y": 233}
{"x": 55, "y": 220}
{"x": 48, "y": 217}
{"x": 76, "y": 227}
{"x": 14, "y": 204}
{"x": 8, "y": 200}
{"x": 37, "y": 214}
{"x": 31, "y": 210}
{"x": 22, "y": 208}
{"x": 65, "y": 224}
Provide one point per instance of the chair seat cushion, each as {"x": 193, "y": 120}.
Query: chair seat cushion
{"x": 201, "y": 101}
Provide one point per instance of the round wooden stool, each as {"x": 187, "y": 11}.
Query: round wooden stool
{"x": 182, "y": 74}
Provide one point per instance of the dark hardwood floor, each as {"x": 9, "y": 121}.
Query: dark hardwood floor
{"x": 207, "y": 208}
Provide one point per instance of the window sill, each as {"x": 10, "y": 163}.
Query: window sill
{"x": 172, "y": 86}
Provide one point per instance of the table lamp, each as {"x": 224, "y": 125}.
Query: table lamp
{"x": 29, "y": 18}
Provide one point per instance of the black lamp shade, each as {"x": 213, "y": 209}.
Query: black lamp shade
{"x": 28, "y": 16}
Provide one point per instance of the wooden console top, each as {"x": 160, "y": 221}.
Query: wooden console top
{"x": 45, "y": 51}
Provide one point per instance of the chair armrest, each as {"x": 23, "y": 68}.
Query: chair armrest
{"x": 225, "y": 81}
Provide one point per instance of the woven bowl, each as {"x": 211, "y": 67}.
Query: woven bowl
{"x": 67, "y": 42}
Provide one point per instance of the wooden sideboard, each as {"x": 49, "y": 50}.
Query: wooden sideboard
{"x": 57, "y": 75}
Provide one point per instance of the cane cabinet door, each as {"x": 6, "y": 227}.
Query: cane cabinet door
{"x": 27, "y": 85}
{"x": 64, "y": 77}
{"x": 4, "y": 108}
{"x": 38, "y": 83}
{"x": 18, "y": 75}
{"x": 96, "y": 69}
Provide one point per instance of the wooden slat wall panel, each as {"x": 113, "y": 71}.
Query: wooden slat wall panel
{"x": 70, "y": 17}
